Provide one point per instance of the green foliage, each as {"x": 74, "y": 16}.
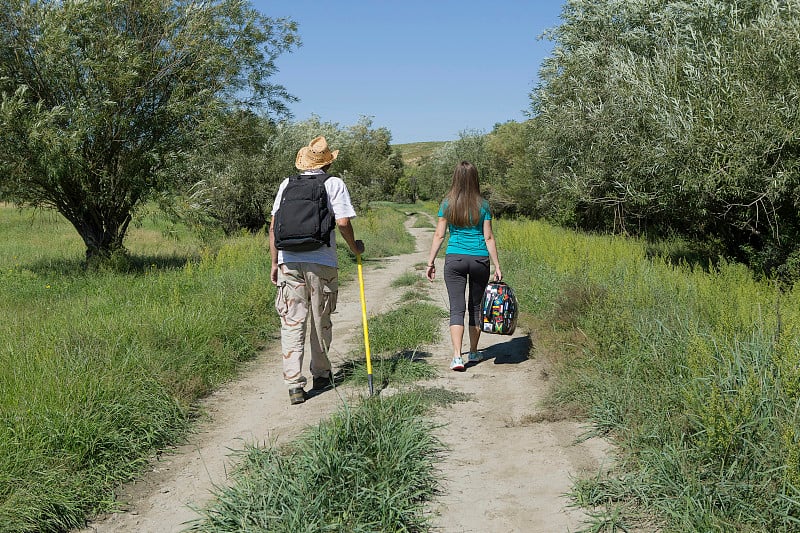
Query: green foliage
{"x": 100, "y": 98}
{"x": 415, "y": 153}
{"x": 405, "y": 190}
{"x": 433, "y": 177}
{"x": 368, "y": 468}
{"x": 235, "y": 181}
{"x": 517, "y": 182}
{"x": 233, "y": 176}
{"x": 664, "y": 116}
{"x": 510, "y": 162}
{"x": 102, "y": 367}
{"x": 396, "y": 341}
{"x": 99, "y": 369}
{"x": 691, "y": 370}
{"x": 367, "y": 162}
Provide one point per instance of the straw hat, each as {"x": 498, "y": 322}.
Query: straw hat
{"x": 315, "y": 155}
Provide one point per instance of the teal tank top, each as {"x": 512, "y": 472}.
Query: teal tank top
{"x": 467, "y": 241}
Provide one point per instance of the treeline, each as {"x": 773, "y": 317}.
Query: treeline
{"x": 232, "y": 186}
{"x": 661, "y": 118}
{"x": 653, "y": 118}
{"x": 666, "y": 116}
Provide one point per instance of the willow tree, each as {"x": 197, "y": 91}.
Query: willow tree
{"x": 665, "y": 115}
{"x": 99, "y": 97}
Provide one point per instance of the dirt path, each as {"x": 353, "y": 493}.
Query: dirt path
{"x": 505, "y": 472}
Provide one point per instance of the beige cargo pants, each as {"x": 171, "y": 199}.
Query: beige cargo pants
{"x": 307, "y": 294}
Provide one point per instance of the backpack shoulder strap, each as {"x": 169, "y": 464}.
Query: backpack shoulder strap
{"x": 321, "y": 177}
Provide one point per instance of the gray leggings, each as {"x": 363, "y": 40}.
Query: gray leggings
{"x": 458, "y": 268}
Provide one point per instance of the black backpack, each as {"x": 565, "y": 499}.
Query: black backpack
{"x": 303, "y": 220}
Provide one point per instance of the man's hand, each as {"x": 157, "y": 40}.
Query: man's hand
{"x": 273, "y": 275}
{"x": 346, "y": 229}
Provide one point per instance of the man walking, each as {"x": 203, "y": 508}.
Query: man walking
{"x": 307, "y": 275}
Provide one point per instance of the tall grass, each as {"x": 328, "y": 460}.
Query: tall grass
{"x": 99, "y": 369}
{"x": 381, "y": 228}
{"x": 367, "y": 468}
{"x": 396, "y": 340}
{"x": 370, "y": 467}
{"x": 692, "y": 368}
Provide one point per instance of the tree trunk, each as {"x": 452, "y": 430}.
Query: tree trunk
{"x": 102, "y": 236}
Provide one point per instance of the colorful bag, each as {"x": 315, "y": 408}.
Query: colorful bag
{"x": 498, "y": 309}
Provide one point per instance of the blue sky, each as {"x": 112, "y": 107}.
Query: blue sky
{"x": 426, "y": 70}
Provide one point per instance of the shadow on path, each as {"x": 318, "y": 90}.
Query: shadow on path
{"x": 386, "y": 366}
{"x": 511, "y": 352}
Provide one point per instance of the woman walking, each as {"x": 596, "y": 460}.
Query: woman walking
{"x": 466, "y": 215}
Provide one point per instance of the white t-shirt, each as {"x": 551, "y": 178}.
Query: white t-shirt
{"x": 341, "y": 206}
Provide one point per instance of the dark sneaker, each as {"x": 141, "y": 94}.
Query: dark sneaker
{"x": 321, "y": 383}
{"x": 475, "y": 357}
{"x": 297, "y": 395}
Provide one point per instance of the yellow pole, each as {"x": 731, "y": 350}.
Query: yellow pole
{"x": 364, "y": 322}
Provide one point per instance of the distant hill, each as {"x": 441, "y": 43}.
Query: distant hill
{"x": 413, "y": 152}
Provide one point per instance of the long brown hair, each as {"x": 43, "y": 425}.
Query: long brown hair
{"x": 464, "y": 198}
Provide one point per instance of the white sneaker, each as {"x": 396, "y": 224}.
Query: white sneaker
{"x": 457, "y": 364}
{"x": 475, "y": 357}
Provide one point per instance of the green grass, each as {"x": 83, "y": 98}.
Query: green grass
{"x": 408, "y": 327}
{"x": 100, "y": 369}
{"x": 440, "y": 397}
{"x": 408, "y": 279}
{"x": 396, "y": 341}
{"x": 423, "y": 222}
{"x": 381, "y": 228}
{"x": 691, "y": 369}
{"x": 413, "y": 153}
{"x": 42, "y": 241}
{"x": 368, "y": 468}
